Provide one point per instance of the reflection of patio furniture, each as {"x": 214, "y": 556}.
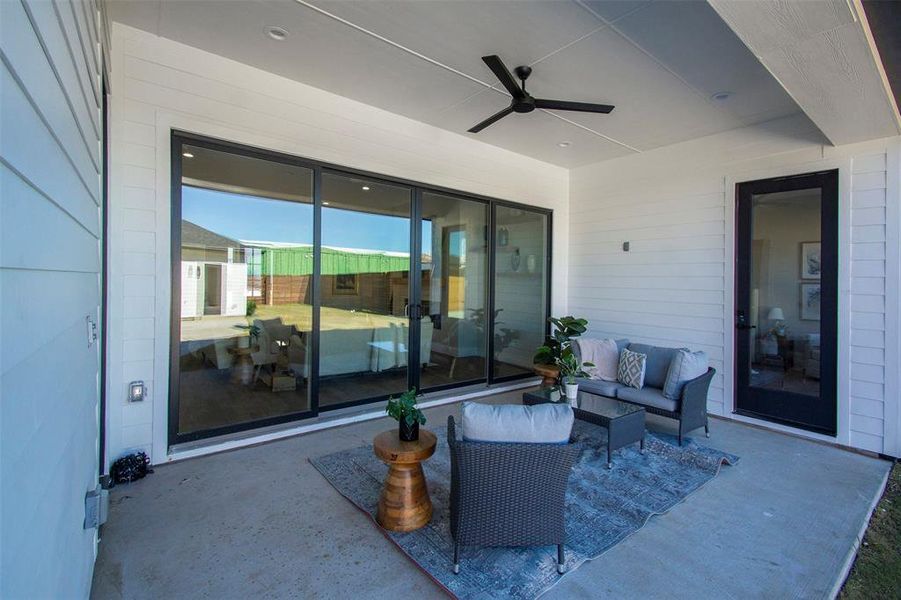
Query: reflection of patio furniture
{"x": 267, "y": 353}
{"x": 468, "y": 343}
{"x": 811, "y": 363}
{"x": 242, "y": 366}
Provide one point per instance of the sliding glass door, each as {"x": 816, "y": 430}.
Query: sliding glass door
{"x": 454, "y": 291}
{"x": 242, "y": 240}
{"x": 365, "y": 290}
{"x": 299, "y": 287}
{"x": 521, "y": 280}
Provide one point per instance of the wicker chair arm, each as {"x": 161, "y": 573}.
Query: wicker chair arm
{"x": 693, "y": 406}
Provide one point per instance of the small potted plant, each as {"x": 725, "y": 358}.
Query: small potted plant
{"x": 408, "y": 416}
{"x": 569, "y": 370}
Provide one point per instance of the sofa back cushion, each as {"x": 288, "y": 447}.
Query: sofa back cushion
{"x": 684, "y": 367}
{"x": 538, "y": 424}
{"x": 658, "y": 362}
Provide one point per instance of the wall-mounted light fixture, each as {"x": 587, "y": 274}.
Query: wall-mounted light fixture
{"x": 136, "y": 391}
{"x": 625, "y": 246}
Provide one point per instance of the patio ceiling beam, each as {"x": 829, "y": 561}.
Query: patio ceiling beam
{"x": 825, "y": 57}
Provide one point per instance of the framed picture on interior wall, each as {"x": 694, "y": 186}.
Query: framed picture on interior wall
{"x": 810, "y": 260}
{"x": 810, "y": 301}
{"x": 345, "y": 285}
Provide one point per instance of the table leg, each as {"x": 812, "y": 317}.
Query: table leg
{"x": 609, "y": 450}
{"x": 641, "y": 445}
{"x": 404, "y": 504}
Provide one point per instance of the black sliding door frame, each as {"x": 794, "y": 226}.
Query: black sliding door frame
{"x": 180, "y": 138}
{"x": 778, "y": 405}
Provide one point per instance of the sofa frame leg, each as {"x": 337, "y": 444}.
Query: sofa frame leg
{"x": 707, "y": 429}
{"x": 456, "y": 558}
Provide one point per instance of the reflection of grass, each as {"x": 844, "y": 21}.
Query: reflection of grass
{"x": 877, "y": 569}
{"x": 301, "y": 316}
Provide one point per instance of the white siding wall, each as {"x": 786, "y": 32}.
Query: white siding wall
{"x": 160, "y": 85}
{"x": 676, "y": 207}
{"x": 50, "y": 164}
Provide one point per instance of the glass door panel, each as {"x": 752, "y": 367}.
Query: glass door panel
{"x": 454, "y": 289}
{"x": 243, "y": 318}
{"x": 786, "y": 300}
{"x": 365, "y": 290}
{"x": 520, "y": 289}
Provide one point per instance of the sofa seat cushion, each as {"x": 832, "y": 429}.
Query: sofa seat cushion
{"x": 538, "y": 424}
{"x": 647, "y": 396}
{"x": 599, "y": 387}
{"x": 657, "y": 363}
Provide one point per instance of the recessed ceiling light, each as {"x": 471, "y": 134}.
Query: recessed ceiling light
{"x": 720, "y": 96}
{"x": 564, "y": 144}
{"x": 365, "y": 188}
{"x": 277, "y": 33}
{"x": 187, "y": 155}
{"x": 325, "y": 204}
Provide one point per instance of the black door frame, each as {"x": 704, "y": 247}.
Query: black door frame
{"x": 789, "y": 408}
{"x": 178, "y": 138}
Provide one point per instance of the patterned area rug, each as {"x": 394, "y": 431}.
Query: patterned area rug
{"x": 603, "y": 508}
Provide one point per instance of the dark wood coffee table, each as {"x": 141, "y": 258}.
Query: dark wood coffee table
{"x": 624, "y": 422}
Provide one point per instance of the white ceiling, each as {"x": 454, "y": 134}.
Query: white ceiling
{"x": 658, "y": 62}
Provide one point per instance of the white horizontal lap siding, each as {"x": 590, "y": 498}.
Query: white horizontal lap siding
{"x": 674, "y": 287}
{"x": 50, "y": 165}
{"x": 161, "y": 85}
{"x": 668, "y": 288}
{"x": 868, "y": 286}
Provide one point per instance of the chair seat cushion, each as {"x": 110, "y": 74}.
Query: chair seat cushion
{"x": 599, "y": 387}
{"x": 647, "y": 396}
{"x": 537, "y": 424}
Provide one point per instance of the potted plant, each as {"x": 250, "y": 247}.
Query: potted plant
{"x": 570, "y": 369}
{"x": 403, "y": 409}
{"x": 548, "y": 356}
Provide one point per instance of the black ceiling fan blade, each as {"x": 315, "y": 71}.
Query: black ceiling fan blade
{"x": 503, "y": 74}
{"x": 492, "y": 119}
{"x": 577, "y": 106}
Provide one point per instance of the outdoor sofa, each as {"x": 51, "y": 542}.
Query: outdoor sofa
{"x": 690, "y": 410}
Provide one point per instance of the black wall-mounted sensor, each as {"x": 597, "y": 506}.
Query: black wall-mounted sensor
{"x": 625, "y": 246}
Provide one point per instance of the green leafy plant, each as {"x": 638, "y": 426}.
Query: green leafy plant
{"x": 251, "y": 308}
{"x": 565, "y": 329}
{"x": 404, "y": 407}
{"x": 570, "y": 368}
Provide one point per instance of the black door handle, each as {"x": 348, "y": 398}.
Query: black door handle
{"x": 745, "y": 326}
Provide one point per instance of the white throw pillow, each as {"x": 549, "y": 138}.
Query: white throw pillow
{"x": 538, "y": 424}
{"x": 603, "y": 354}
{"x": 684, "y": 367}
{"x": 631, "y": 369}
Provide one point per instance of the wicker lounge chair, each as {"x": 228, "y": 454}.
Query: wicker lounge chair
{"x": 508, "y": 494}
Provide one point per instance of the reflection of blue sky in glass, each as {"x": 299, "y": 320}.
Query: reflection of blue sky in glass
{"x": 241, "y": 217}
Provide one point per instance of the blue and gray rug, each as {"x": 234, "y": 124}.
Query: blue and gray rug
{"x": 603, "y": 508}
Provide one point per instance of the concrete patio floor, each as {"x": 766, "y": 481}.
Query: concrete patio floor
{"x": 262, "y": 522}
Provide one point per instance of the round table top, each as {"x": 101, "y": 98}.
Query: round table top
{"x": 390, "y": 448}
{"x": 238, "y": 351}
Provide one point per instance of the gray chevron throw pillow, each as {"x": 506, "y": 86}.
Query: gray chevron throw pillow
{"x": 631, "y": 369}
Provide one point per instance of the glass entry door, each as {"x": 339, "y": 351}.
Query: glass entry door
{"x": 786, "y": 300}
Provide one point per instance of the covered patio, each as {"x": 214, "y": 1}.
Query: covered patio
{"x": 262, "y": 521}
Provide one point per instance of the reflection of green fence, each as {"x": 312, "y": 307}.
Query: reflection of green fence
{"x": 299, "y": 261}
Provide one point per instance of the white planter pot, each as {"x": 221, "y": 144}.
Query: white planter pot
{"x": 572, "y": 390}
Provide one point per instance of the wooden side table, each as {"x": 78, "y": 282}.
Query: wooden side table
{"x": 242, "y": 368}
{"x": 404, "y": 504}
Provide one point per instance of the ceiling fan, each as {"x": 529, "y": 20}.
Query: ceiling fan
{"x": 523, "y": 102}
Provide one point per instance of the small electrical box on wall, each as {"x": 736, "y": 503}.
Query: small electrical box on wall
{"x": 137, "y": 391}
{"x": 625, "y": 246}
